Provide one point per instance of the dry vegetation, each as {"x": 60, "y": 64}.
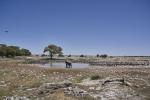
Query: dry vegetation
{"x": 17, "y": 78}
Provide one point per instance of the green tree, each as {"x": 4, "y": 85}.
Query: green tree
{"x": 82, "y": 55}
{"x": 17, "y": 50}
{"x": 69, "y": 55}
{"x": 3, "y": 51}
{"x": 10, "y": 52}
{"x": 25, "y": 52}
{"x": 97, "y": 55}
{"x": 3, "y": 45}
{"x": 104, "y": 56}
{"x": 53, "y": 49}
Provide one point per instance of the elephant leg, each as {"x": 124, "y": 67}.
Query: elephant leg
{"x": 66, "y": 65}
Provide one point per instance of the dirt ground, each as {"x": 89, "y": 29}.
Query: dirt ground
{"x": 113, "y": 83}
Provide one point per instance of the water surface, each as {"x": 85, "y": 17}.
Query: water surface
{"x": 63, "y": 65}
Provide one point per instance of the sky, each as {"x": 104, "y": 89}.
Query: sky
{"x": 113, "y": 27}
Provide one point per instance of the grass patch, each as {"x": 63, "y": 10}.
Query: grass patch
{"x": 78, "y": 80}
{"x": 34, "y": 83}
{"x": 4, "y": 92}
{"x": 87, "y": 98}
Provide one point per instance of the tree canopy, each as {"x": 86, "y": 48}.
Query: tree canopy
{"x": 11, "y": 51}
{"x": 53, "y": 49}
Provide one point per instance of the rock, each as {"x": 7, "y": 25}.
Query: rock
{"x": 31, "y": 89}
{"x": 121, "y": 80}
{"x": 16, "y": 98}
{"x": 127, "y": 83}
{"x": 2, "y": 84}
{"x": 91, "y": 88}
{"x": 52, "y": 87}
{"x": 67, "y": 83}
{"x": 98, "y": 88}
{"x": 89, "y": 82}
{"x": 77, "y": 92}
{"x": 44, "y": 75}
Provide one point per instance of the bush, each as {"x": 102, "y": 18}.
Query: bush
{"x": 60, "y": 55}
{"x": 82, "y": 55}
{"x": 104, "y": 56}
{"x": 69, "y": 55}
{"x": 97, "y": 55}
{"x": 95, "y": 77}
{"x": 43, "y": 55}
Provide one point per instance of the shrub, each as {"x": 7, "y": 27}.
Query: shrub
{"x": 60, "y": 55}
{"x": 97, "y": 55}
{"x": 82, "y": 55}
{"x": 95, "y": 77}
{"x": 104, "y": 56}
{"x": 69, "y": 55}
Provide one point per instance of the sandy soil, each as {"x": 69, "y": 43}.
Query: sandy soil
{"x": 24, "y": 81}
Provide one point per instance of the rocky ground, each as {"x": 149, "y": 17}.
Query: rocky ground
{"x": 25, "y": 82}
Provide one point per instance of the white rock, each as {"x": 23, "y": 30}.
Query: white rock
{"x": 91, "y": 88}
{"x": 98, "y": 88}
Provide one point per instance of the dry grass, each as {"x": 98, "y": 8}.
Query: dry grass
{"x": 18, "y": 77}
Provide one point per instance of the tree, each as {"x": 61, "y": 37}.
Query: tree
{"x": 97, "y": 55}
{"x": 25, "y": 52}
{"x": 16, "y": 49}
{"x": 60, "y": 55}
{"x": 11, "y": 51}
{"x": 3, "y": 45}
{"x": 69, "y": 55}
{"x": 82, "y": 55}
{"x": 2, "y": 51}
{"x": 43, "y": 55}
{"x": 104, "y": 56}
{"x": 53, "y": 49}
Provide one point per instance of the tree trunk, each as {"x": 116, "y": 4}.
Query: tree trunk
{"x": 51, "y": 55}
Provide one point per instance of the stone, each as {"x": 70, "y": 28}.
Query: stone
{"x": 121, "y": 80}
{"x": 16, "y": 98}
{"x": 67, "y": 83}
{"x": 91, "y": 88}
{"x": 77, "y": 92}
{"x": 98, "y": 88}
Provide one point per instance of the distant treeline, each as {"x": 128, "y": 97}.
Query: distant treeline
{"x": 130, "y": 56}
{"x": 11, "y": 51}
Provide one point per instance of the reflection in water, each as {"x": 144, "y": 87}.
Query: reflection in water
{"x": 63, "y": 65}
{"x": 51, "y": 64}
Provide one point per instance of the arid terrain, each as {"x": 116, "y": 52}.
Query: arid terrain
{"x": 19, "y": 81}
{"x": 74, "y": 49}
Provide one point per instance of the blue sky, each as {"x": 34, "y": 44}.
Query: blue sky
{"x": 115, "y": 27}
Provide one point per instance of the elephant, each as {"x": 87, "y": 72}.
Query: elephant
{"x": 68, "y": 64}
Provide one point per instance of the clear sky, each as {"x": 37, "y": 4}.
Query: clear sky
{"x": 115, "y": 27}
